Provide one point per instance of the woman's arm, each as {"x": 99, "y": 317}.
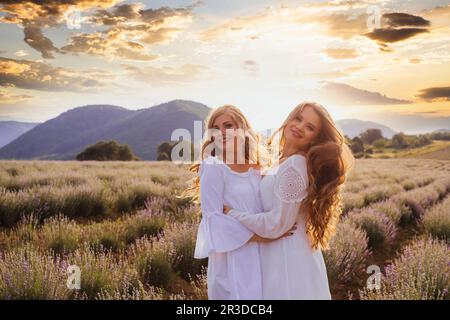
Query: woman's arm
{"x": 290, "y": 189}
{"x": 217, "y": 232}
{"x": 257, "y": 238}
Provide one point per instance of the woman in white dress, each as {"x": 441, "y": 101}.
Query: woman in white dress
{"x": 234, "y": 270}
{"x": 304, "y": 190}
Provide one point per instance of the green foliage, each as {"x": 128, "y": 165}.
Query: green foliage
{"x": 357, "y": 145}
{"x": 107, "y": 151}
{"x": 371, "y": 135}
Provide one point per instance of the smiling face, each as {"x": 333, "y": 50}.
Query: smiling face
{"x": 226, "y": 125}
{"x": 303, "y": 128}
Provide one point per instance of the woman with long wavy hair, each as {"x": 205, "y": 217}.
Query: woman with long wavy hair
{"x": 228, "y": 174}
{"x": 303, "y": 189}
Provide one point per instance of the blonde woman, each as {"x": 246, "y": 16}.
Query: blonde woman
{"x": 234, "y": 270}
{"x": 303, "y": 189}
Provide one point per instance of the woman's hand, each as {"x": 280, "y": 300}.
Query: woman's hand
{"x": 266, "y": 240}
{"x": 226, "y": 209}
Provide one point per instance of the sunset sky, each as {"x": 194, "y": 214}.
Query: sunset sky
{"x": 387, "y": 61}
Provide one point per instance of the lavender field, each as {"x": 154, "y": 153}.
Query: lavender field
{"x": 124, "y": 226}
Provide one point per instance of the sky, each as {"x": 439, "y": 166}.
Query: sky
{"x": 381, "y": 60}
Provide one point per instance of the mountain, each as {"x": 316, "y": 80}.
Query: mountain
{"x": 441, "y": 131}
{"x": 10, "y": 130}
{"x": 353, "y": 127}
{"x": 63, "y": 137}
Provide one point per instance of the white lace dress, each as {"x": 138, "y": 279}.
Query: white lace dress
{"x": 291, "y": 269}
{"x": 234, "y": 270}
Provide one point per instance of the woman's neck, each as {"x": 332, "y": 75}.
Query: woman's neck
{"x": 289, "y": 150}
{"x": 233, "y": 159}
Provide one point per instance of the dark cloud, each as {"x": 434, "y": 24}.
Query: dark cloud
{"x": 35, "y": 39}
{"x": 400, "y": 26}
{"x": 390, "y": 35}
{"x": 435, "y": 94}
{"x": 400, "y": 19}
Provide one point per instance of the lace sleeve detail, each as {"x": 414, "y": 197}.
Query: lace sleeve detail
{"x": 290, "y": 186}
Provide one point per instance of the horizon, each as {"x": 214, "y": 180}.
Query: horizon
{"x": 363, "y": 58}
{"x": 258, "y": 129}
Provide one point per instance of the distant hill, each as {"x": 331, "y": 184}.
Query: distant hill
{"x": 438, "y": 150}
{"x": 354, "y": 127}
{"x": 441, "y": 131}
{"x": 63, "y": 137}
{"x": 11, "y": 130}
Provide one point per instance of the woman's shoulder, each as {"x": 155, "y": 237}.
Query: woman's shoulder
{"x": 211, "y": 165}
{"x": 296, "y": 161}
{"x": 294, "y": 165}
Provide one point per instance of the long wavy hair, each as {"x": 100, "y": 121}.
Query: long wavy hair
{"x": 329, "y": 159}
{"x": 253, "y": 149}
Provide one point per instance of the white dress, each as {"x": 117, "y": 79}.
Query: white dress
{"x": 234, "y": 270}
{"x": 291, "y": 269}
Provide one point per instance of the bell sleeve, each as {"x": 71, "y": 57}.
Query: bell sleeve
{"x": 217, "y": 232}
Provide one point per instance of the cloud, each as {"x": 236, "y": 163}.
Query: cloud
{"x": 251, "y": 67}
{"x": 90, "y": 43}
{"x": 344, "y": 94}
{"x": 7, "y": 98}
{"x": 10, "y": 66}
{"x": 390, "y": 35}
{"x": 341, "y": 53}
{"x": 165, "y": 75}
{"x": 134, "y": 55}
{"x": 20, "y": 53}
{"x": 336, "y": 73}
{"x": 439, "y": 17}
{"x": 130, "y": 28}
{"x": 341, "y": 25}
{"x": 435, "y": 94}
{"x": 399, "y": 19}
{"x": 34, "y": 16}
{"x": 35, "y": 39}
{"x": 232, "y": 25}
{"x": 106, "y": 44}
{"x": 343, "y": 19}
{"x": 125, "y": 23}
{"x": 400, "y": 26}
{"x": 26, "y": 74}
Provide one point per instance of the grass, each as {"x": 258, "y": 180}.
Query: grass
{"x": 133, "y": 239}
{"x": 439, "y": 150}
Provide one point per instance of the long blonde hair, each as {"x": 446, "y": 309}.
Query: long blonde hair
{"x": 328, "y": 161}
{"x": 254, "y": 152}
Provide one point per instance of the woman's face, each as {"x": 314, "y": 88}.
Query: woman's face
{"x": 227, "y": 127}
{"x": 303, "y": 128}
